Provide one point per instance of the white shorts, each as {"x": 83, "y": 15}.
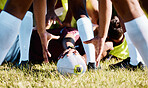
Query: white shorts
{"x": 14, "y": 51}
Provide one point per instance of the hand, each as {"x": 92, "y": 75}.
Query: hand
{"x": 99, "y": 45}
{"x": 68, "y": 19}
{"x": 51, "y": 18}
{"x": 69, "y": 52}
{"x": 45, "y": 39}
{"x": 66, "y": 24}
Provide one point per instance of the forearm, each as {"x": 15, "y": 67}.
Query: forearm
{"x": 69, "y": 40}
{"x": 51, "y": 5}
{"x": 39, "y": 12}
{"x": 68, "y": 16}
{"x": 105, "y": 10}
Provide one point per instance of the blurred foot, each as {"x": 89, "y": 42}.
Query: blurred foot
{"x": 23, "y": 65}
{"x": 91, "y": 66}
{"x": 126, "y": 64}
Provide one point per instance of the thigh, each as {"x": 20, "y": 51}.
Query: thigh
{"x": 18, "y": 8}
{"x": 78, "y": 8}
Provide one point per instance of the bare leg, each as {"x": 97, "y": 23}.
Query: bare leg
{"x": 20, "y": 7}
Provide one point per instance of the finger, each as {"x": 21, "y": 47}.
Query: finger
{"x": 98, "y": 60}
{"x": 45, "y": 53}
{"x": 70, "y": 52}
{"x": 48, "y": 53}
{"x": 60, "y": 56}
{"x": 45, "y": 57}
{"x": 97, "y": 63}
{"x": 63, "y": 54}
{"x": 76, "y": 52}
{"x": 55, "y": 37}
{"x": 59, "y": 21}
{"x": 67, "y": 50}
{"x": 50, "y": 36}
{"x": 50, "y": 22}
{"x": 50, "y": 18}
{"x": 54, "y": 20}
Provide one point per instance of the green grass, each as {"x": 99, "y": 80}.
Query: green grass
{"x": 46, "y": 76}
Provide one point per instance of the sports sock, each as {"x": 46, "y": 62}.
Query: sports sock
{"x": 133, "y": 52}
{"x": 25, "y": 35}
{"x": 9, "y": 28}
{"x": 86, "y": 33}
{"x": 138, "y": 33}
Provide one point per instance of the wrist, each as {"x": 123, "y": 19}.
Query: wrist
{"x": 70, "y": 47}
{"x": 41, "y": 31}
{"x": 51, "y": 10}
{"x": 102, "y": 38}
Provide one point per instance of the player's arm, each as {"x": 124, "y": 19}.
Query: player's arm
{"x": 70, "y": 39}
{"x": 68, "y": 18}
{"x": 51, "y": 16}
{"x": 105, "y": 10}
{"x": 39, "y": 12}
{"x": 51, "y": 5}
{"x": 69, "y": 43}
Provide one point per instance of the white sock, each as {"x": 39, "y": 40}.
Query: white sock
{"x": 9, "y": 28}
{"x": 25, "y": 35}
{"x": 137, "y": 30}
{"x": 133, "y": 52}
{"x": 86, "y": 33}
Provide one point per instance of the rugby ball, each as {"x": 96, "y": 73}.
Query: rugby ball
{"x": 72, "y": 64}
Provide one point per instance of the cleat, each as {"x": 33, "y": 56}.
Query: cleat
{"x": 23, "y": 65}
{"x": 126, "y": 64}
{"x": 91, "y": 66}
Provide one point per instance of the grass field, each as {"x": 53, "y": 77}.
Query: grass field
{"x": 46, "y": 76}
